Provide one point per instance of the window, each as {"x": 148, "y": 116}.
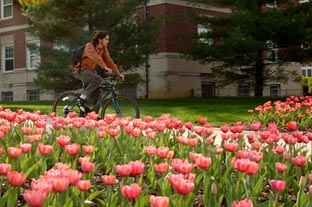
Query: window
{"x": 273, "y": 4}
{"x": 8, "y": 57}
{"x": 271, "y": 54}
{"x": 32, "y": 95}
{"x": 202, "y": 32}
{"x": 33, "y": 54}
{"x": 275, "y": 90}
{"x": 243, "y": 90}
{"x": 306, "y": 71}
{"x": 6, "y": 9}
{"x": 7, "y": 96}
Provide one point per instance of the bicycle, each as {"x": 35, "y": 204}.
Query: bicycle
{"x": 109, "y": 102}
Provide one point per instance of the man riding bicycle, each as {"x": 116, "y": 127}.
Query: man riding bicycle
{"x": 95, "y": 54}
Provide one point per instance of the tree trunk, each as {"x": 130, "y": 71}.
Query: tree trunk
{"x": 258, "y": 90}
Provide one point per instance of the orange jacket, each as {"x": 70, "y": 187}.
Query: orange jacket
{"x": 92, "y": 57}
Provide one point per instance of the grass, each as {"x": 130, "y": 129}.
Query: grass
{"x": 217, "y": 110}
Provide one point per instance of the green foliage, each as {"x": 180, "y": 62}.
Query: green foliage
{"x": 69, "y": 24}
{"x": 241, "y": 41}
{"x": 307, "y": 81}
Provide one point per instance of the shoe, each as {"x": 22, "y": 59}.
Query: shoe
{"x": 82, "y": 107}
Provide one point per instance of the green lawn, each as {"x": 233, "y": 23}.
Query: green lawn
{"x": 217, "y": 110}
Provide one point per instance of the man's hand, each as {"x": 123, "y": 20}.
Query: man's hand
{"x": 122, "y": 76}
{"x": 109, "y": 71}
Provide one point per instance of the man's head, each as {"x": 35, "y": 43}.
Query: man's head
{"x": 100, "y": 39}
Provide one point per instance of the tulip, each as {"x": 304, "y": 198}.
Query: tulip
{"x": 137, "y": 167}
{"x": 60, "y": 184}
{"x": 280, "y": 167}
{"x": 123, "y": 170}
{"x": 88, "y": 149}
{"x": 16, "y": 179}
{"x": 159, "y": 201}
{"x": 109, "y": 179}
{"x": 184, "y": 187}
{"x": 84, "y": 185}
{"x": 87, "y": 167}
{"x": 35, "y": 198}
{"x": 230, "y": 147}
{"x": 131, "y": 191}
{"x": 63, "y": 140}
{"x": 45, "y": 149}
{"x": 26, "y": 147}
{"x": 299, "y": 160}
{"x": 14, "y": 152}
{"x": 243, "y": 203}
{"x": 203, "y": 162}
{"x": 5, "y": 168}
{"x": 161, "y": 167}
{"x": 72, "y": 149}
{"x": 278, "y": 185}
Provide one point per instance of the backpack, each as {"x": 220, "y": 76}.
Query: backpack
{"x": 76, "y": 55}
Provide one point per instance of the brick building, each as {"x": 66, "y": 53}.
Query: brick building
{"x": 169, "y": 74}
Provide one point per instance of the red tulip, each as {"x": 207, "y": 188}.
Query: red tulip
{"x": 278, "y": 185}
{"x": 181, "y": 166}
{"x": 203, "y": 162}
{"x": 131, "y": 191}
{"x": 16, "y": 179}
{"x": 109, "y": 179}
{"x": 292, "y": 126}
{"x": 26, "y": 130}
{"x": 137, "y": 167}
{"x": 150, "y": 150}
{"x": 26, "y": 147}
{"x": 35, "y": 198}
{"x": 161, "y": 167}
{"x": 243, "y": 203}
{"x": 231, "y": 147}
{"x": 63, "y": 140}
{"x": 41, "y": 185}
{"x": 162, "y": 152}
{"x": 159, "y": 201}
{"x": 14, "y": 152}
{"x": 45, "y": 149}
{"x": 280, "y": 167}
{"x": 88, "y": 149}
{"x": 72, "y": 149}
{"x": 5, "y": 168}
{"x": 84, "y": 185}
{"x": 202, "y": 120}
{"x": 123, "y": 170}
{"x": 252, "y": 168}
{"x": 299, "y": 161}
{"x": 87, "y": 167}
{"x": 184, "y": 187}
{"x": 60, "y": 184}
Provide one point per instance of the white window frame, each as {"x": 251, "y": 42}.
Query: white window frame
{"x": 201, "y": 29}
{"x": 271, "y": 54}
{"x": 33, "y": 56}
{"x": 32, "y": 95}
{"x": 7, "y": 5}
{"x": 7, "y": 96}
{"x": 275, "y": 90}
{"x": 306, "y": 71}
{"x": 271, "y": 5}
{"x": 243, "y": 89}
{"x": 4, "y": 58}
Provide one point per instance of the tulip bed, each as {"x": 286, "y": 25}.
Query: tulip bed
{"x": 159, "y": 162}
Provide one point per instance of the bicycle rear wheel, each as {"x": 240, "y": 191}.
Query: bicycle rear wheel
{"x": 126, "y": 105}
{"x": 66, "y": 103}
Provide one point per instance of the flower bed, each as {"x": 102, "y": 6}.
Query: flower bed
{"x": 52, "y": 161}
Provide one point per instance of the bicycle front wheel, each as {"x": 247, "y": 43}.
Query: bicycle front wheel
{"x": 65, "y": 104}
{"x": 123, "y": 106}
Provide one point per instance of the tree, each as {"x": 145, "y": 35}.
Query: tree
{"x": 255, "y": 42}
{"x": 67, "y": 24}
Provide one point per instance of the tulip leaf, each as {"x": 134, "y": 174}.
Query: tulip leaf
{"x": 95, "y": 194}
{"x": 3, "y": 199}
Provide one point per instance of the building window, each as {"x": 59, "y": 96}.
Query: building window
{"x": 33, "y": 54}
{"x": 272, "y": 4}
{"x": 306, "y": 71}
{"x": 8, "y": 57}
{"x": 32, "y": 95}
{"x": 271, "y": 54}
{"x": 243, "y": 90}
{"x": 6, "y": 9}
{"x": 275, "y": 90}
{"x": 7, "y": 96}
{"x": 202, "y": 32}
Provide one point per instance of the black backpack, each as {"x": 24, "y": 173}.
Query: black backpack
{"x": 76, "y": 55}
